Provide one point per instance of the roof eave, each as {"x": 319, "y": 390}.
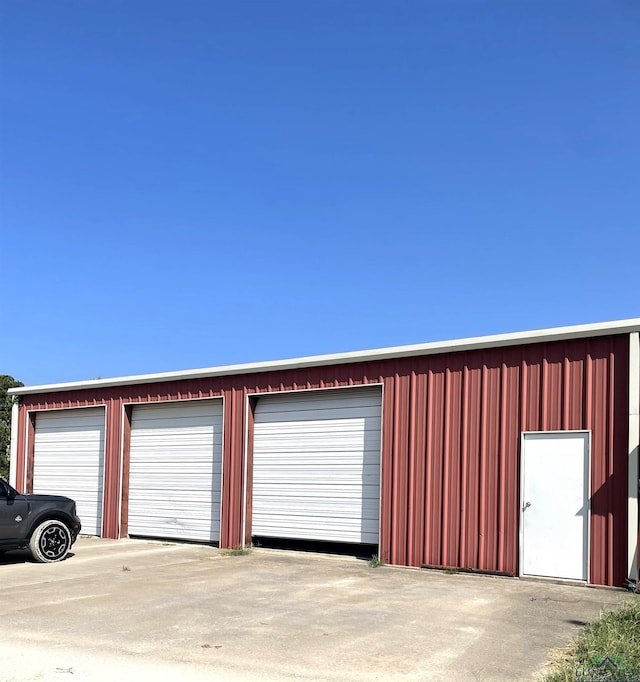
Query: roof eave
{"x": 475, "y": 343}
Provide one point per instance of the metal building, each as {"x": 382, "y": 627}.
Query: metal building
{"x": 515, "y": 453}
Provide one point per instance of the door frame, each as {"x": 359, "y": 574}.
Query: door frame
{"x": 125, "y": 457}
{"x": 587, "y": 567}
{"x": 30, "y": 459}
{"x": 249, "y": 436}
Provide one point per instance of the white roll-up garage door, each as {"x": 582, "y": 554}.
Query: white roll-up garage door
{"x": 316, "y": 466}
{"x": 69, "y": 460}
{"x": 175, "y": 470}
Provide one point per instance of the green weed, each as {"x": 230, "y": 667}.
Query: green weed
{"x": 615, "y": 635}
{"x": 236, "y": 551}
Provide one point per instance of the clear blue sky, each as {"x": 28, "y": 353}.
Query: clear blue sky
{"x": 194, "y": 183}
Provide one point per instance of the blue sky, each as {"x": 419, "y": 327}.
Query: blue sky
{"x": 191, "y": 184}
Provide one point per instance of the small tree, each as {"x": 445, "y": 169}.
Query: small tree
{"x": 6, "y": 403}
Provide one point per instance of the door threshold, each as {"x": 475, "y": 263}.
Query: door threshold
{"x": 555, "y": 581}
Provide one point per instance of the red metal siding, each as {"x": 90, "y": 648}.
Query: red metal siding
{"x": 464, "y": 413}
{"x": 450, "y": 444}
{"x": 126, "y": 468}
{"x": 475, "y": 406}
{"x": 233, "y": 468}
{"x": 112, "y": 461}
{"x": 21, "y": 450}
{"x": 31, "y": 444}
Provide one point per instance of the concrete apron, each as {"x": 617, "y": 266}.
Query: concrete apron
{"x": 133, "y": 609}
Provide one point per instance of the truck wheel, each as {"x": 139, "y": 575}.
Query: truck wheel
{"x": 50, "y": 541}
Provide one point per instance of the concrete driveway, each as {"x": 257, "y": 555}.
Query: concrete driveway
{"x": 137, "y": 610}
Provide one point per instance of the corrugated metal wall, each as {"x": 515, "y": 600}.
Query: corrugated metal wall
{"x": 451, "y": 444}
{"x": 452, "y": 450}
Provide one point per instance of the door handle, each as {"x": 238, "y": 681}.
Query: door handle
{"x": 525, "y": 506}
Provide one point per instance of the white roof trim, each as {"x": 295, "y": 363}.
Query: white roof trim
{"x": 494, "y": 341}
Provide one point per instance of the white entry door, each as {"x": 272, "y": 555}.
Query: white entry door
{"x": 554, "y": 524}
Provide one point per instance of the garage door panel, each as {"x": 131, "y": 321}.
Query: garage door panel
{"x": 313, "y": 398}
{"x": 179, "y": 528}
{"x": 331, "y": 507}
{"x": 184, "y": 481}
{"x": 84, "y": 485}
{"x": 295, "y": 443}
{"x": 323, "y": 481}
{"x": 158, "y": 423}
{"x": 152, "y": 456}
{"x": 312, "y": 490}
{"x": 77, "y": 467}
{"x": 51, "y": 424}
{"x": 175, "y": 472}
{"x": 317, "y": 459}
{"x": 164, "y": 410}
{"x": 313, "y": 521}
{"x": 70, "y": 442}
{"x": 163, "y": 513}
{"x": 340, "y": 533}
{"x": 69, "y": 460}
{"x": 155, "y": 451}
{"x": 196, "y": 491}
{"x": 67, "y": 441}
{"x": 316, "y": 466}
{"x": 157, "y": 466}
{"x": 300, "y": 404}
{"x": 293, "y": 468}
{"x": 283, "y": 442}
{"x": 198, "y": 433}
{"x": 315, "y": 428}
{"x": 193, "y": 447}
{"x": 68, "y": 420}
{"x": 154, "y": 448}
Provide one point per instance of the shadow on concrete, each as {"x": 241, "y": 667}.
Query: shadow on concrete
{"x": 21, "y": 556}
{"x": 16, "y": 556}
{"x": 580, "y": 623}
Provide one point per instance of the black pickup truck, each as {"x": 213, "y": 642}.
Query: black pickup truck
{"x": 47, "y": 524}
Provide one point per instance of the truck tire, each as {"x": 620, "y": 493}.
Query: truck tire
{"x": 50, "y": 541}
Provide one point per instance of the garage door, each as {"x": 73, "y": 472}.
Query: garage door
{"x": 316, "y": 466}
{"x": 176, "y": 470}
{"x": 69, "y": 460}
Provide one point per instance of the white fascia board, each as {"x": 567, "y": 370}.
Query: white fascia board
{"x": 475, "y": 343}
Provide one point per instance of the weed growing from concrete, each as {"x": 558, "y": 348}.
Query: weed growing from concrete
{"x": 236, "y": 551}
{"x": 375, "y": 561}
